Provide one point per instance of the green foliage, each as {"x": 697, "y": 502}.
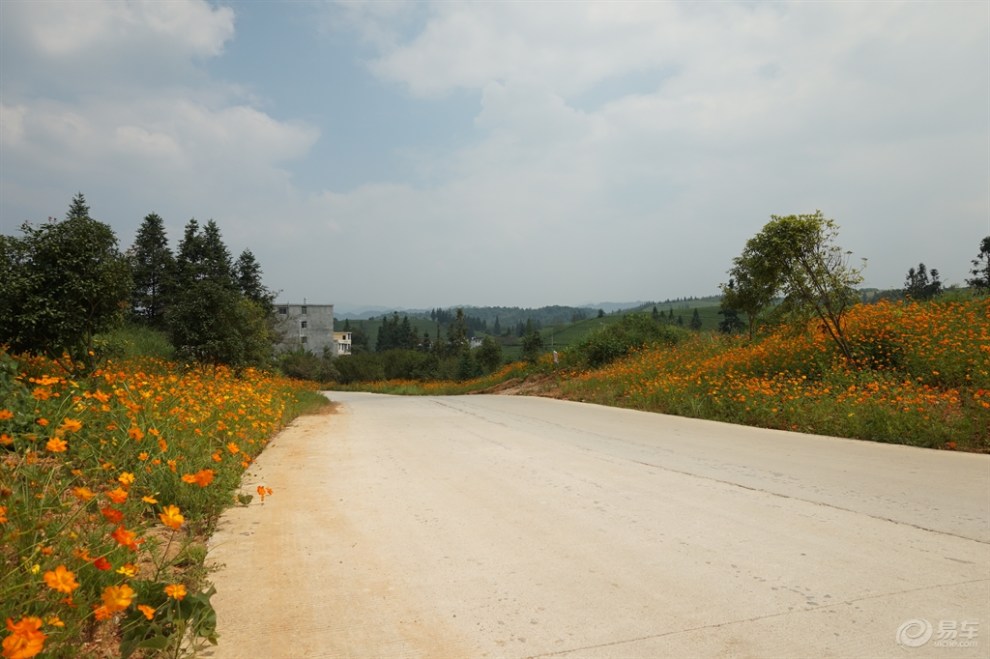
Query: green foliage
{"x": 919, "y": 286}
{"x": 61, "y": 284}
{"x": 362, "y": 367}
{"x": 209, "y": 319}
{"x": 489, "y": 354}
{"x": 396, "y": 335}
{"x": 304, "y": 365}
{"x": 795, "y": 257}
{"x": 133, "y": 340}
{"x": 152, "y": 264}
{"x": 695, "y": 321}
{"x": 532, "y": 346}
{"x": 981, "y": 268}
{"x": 631, "y": 332}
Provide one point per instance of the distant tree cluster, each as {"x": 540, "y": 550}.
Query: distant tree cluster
{"x": 919, "y": 285}
{"x": 396, "y": 335}
{"x": 65, "y": 281}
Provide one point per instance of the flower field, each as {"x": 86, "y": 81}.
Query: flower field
{"x": 921, "y": 376}
{"x": 108, "y": 486}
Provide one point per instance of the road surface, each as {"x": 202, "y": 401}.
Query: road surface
{"x": 502, "y": 526}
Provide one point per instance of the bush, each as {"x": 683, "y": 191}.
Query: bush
{"x": 633, "y": 331}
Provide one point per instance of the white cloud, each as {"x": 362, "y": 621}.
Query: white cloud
{"x": 62, "y": 30}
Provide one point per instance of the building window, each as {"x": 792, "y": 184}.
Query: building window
{"x": 302, "y": 324}
{"x": 283, "y": 310}
{"x": 304, "y": 310}
{"x": 303, "y": 339}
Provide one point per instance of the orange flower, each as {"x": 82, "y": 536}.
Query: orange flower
{"x": 125, "y": 538}
{"x": 102, "y": 564}
{"x": 25, "y": 640}
{"x": 6, "y": 415}
{"x": 233, "y": 448}
{"x": 56, "y": 445}
{"x": 118, "y": 495}
{"x": 203, "y": 477}
{"x": 148, "y": 611}
{"x": 82, "y": 493}
{"x": 171, "y": 517}
{"x": 6, "y": 440}
{"x": 102, "y": 612}
{"x": 151, "y": 500}
{"x": 126, "y": 479}
{"x": 3, "y": 514}
{"x": 42, "y": 422}
{"x": 61, "y": 579}
{"x": 71, "y": 425}
{"x": 128, "y": 570}
{"x": 263, "y": 492}
{"x": 118, "y": 598}
{"x": 175, "y": 591}
{"x": 135, "y": 433}
{"x": 111, "y": 514}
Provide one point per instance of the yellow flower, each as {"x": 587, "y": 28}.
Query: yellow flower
{"x": 126, "y": 479}
{"x": 148, "y": 499}
{"x": 61, "y": 579}
{"x": 175, "y": 591}
{"x": 171, "y": 517}
{"x": 128, "y": 570}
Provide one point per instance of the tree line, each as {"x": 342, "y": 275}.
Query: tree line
{"x": 65, "y": 281}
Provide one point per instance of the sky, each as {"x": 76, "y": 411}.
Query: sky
{"x": 421, "y": 154}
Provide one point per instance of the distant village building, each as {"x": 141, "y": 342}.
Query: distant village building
{"x": 306, "y": 327}
{"x": 341, "y": 344}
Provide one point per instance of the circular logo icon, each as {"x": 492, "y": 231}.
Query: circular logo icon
{"x": 914, "y": 633}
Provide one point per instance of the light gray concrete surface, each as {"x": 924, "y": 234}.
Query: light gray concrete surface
{"x": 497, "y": 526}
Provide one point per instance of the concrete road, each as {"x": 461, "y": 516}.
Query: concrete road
{"x": 497, "y": 526}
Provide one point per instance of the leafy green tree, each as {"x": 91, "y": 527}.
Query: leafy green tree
{"x": 730, "y": 322}
{"x": 532, "y": 346}
{"x": 695, "y": 323}
{"x": 208, "y": 317}
{"x": 981, "y": 268}
{"x": 247, "y": 270}
{"x": 795, "y": 257}
{"x": 918, "y": 285}
{"x": 62, "y": 283}
{"x": 457, "y": 333}
{"x": 152, "y": 264}
{"x": 489, "y": 354}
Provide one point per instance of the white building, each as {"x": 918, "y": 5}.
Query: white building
{"x": 341, "y": 344}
